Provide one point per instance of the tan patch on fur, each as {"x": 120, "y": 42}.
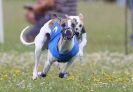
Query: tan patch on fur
{"x": 53, "y": 21}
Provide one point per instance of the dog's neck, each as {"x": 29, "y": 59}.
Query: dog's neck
{"x": 65, "y": 46}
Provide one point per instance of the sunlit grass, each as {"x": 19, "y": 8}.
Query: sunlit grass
{"x": 98, "y": 72}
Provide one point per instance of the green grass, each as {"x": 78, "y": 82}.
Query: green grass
{"x": 14, "y": 22}
{"x": 98, "y": 72}
{"x": 102, "y": 70}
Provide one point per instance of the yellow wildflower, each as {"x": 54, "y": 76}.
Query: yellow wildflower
{"x": 71, "y": 78}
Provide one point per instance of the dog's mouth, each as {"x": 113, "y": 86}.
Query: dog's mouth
{"x": 68, "y": 34}
{"x": 77, "y": 34}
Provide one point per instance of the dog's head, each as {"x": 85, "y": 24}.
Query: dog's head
{"x": 77, "y": 23}
{"x": 67, "y": 30}
{"x": 71, "y": 25}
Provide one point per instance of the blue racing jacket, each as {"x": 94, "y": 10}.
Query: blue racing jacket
{"x": 53, "y": 45}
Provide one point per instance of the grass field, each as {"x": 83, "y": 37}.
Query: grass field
{"x": 98, "y": 72}
{"x": 104, "y": 67}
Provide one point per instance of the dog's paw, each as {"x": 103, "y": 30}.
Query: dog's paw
{"x": 34, "y": 77}
{"x": 63, "y": 75}
{"x": 41, "y": 74}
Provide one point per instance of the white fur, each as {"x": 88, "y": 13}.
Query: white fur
{"x": 82, "y": 44}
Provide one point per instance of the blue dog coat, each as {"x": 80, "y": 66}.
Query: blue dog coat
{"x": 53, "y": 44}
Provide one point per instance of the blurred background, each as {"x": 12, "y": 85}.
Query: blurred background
{"x": 104, "y": 22}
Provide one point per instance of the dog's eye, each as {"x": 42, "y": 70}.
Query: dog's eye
{"x": 73, "y": 25}
{"x": 63, "y": 25}
{"x": 80, "y": 25}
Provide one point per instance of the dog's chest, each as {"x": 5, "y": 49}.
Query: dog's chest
{"x": 63, "y": 57}
{"x": 53, "y": 45}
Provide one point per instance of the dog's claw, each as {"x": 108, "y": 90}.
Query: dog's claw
{"x": 43, "y": 75}
{"x": 34, "y": 78}
{"x": 63, "y": 75}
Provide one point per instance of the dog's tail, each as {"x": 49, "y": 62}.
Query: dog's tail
{"x": 22, "y": 37}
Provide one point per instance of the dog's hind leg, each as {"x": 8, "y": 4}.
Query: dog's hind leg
{"x": 37, "y": 57}
{"x": 63, "y": 72}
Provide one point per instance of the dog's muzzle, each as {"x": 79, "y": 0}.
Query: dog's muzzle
{"x": 68, "y": 34}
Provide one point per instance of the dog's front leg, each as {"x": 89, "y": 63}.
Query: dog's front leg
{"x": 46, "y": 68}
{"x": 63, "y": 72}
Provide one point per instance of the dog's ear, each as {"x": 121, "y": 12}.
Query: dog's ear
{"x": 67, "y": 17}
{"x": 81, "y": 16}
{"x": 63, "y": 25}
{"x": 63, "y": 22}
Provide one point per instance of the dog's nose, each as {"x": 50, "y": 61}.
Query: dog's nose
{"x": 68, "y": 33}
{"x": 76, "y": 28}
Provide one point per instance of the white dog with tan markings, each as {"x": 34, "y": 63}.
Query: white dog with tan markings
{"x": 63, "y": 45}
